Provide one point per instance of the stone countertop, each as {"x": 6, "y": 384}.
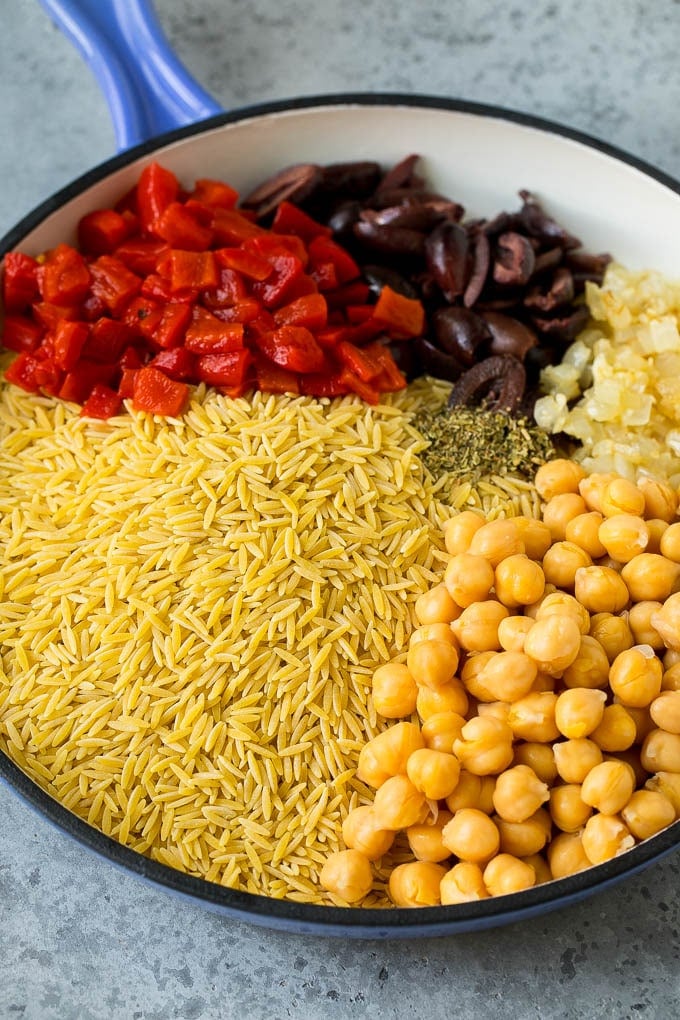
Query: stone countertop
{"x": 79, "y": 939}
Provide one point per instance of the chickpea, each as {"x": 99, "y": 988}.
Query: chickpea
{"x": 512, "y": 631}
{"x": 519, "y": 793}
{"x": 640, "y": 622}
{"x": 387, "y": 753}
{"x": 561, "y": 509}
{"x": 434, "y": 632}
{"x": 561, "y": 562}
{"x": 426, "y": 840}
{"x": 568, "y": 810}
{"x": 590, "y": 668}
{"x": 524, "y": 838}
{"x": 416, "y": 884}
{"x": 617, "y": 731}
{"x": 535, "y": 535}
{"x": 507, "y": 874}
{"x": 477, "y": 626}
{"x": 566, "y": 855}
{"x": 670, "y": 542}
{"x": 467, "y": 794}
{"x": 519, "y": 581}
{"x": 398, "y": 804}
{"x": 471, "y": 836}
{"x": 650, "y": 576}
{"x": 394, "y": 691}
{"x": 540, "y": 866}
{"x": 612, "y": 632}
{"x": 579, "y": 711}
{"x": 533, "y": 718}
{"x": 600, "y": 589}
{"x": 671, "y": 657}
{"x": 608, "y": 787}
{"x": 656, "y": 529}
{"x": 539, "y": 757}
{"x": 432, "y": 663}
{"x": 604, "y": 837}
{"x": 592, "y": 489}
{"x": 450, "y": 697}
{"x": 441, "y": 729}
{"x": 496, "y": 540}
{"x": 635, "y": 676}
{"x": 543, "y": 683}
{"x": 347, "y": 874}
{"x": 665, "y": 711}
{"x": 667, "y": 783}
{"x": 434, "y": 773}
{"x": 498, "y": 709}
{"x": 648, "y": 812}
{"x": 436, "y": 606}
{"x": 661, "y": 500}
{"x": 361, "y": 832}
{"x": 622, "y": 497}
{"x": 458, "y": 531}
{"x": 624, "y": 536}
{"x": 484, "y": 746}
{"x": 671, "y": 678}
{"x": 561, "y": 603}
{"x": 667, "y": 621}
{"x": 631, "y": 758}
{"x": 558, "y": 476}
{"x": 642, "y": 720}
{"x": 575, "y": 758}
{"x": 532, "y": 609}
{"x": 486, "y": 792}
{"x": 508, "y": 675}
{"x": 468, "y": 579}
{"x": 661, "y": 751}
{"x": 553, "y": 643}
{"x": 464, "y": 883}
{"x": 583, "y": 530}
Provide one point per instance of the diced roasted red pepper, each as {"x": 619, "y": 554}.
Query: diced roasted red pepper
{"x": 272, "y": 379}
{"x": 100, "y": 232}
{"x": 294, "y": 348}
{"x": 172, "y": 326}
{"x": 113, "y": 283}
{"x": 230, "y": 289}
{"x": 402, "y": 317}
{"x": 324, "y": 275}
{"x": 157, "y": 188}
{"x": 248, "y": 263}
{"x": 106, "y": 341}
{"x": 323, "y": 250}
{"x": 156, "y": 393}
{"x": 355, "y": 293}
{"x": 181, "y": 229}
{"x": 130, "y": 358}
{"x": 226, "y": 369}
{"x": 126, "y": 385}
{"x": 48, "y": 315}
{"x": 141, "y": 254}
{"x": 69, "y": 339}
{"x": 78, "y": 383}
{"x": 64, "y": 277}
{"x": 231, "y": 227}
{"x": 246, "y": 310}
{"x": 359, "y": 361}
{"x": 19, "y": 282}
{"x": 177, "y": 363}
{"x": 142, "y": 315}
{"x": 356, "y": 314}
{"x": 326, "y": 384}
{"x": 269, "y": 245}
{"x": 103, "y": 402}
{"x": 310, "y": 310}
{"x": 289, "y": 219}
{"x": 273, "y": 291}
{"x": 214, "y": 193}
{"x": 21, "y": 333}
{"x": 354, "y": 384}
{"x": 209, "y": 335}
{"x": 391, "y": 378}
{"x": 188, "y": 270}
{"x": 22, "y": 372}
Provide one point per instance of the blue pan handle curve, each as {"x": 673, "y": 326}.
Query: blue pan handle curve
{"x": 146, "y": 86}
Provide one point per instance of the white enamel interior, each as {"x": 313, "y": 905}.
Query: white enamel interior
{"x": 480, "y": 161}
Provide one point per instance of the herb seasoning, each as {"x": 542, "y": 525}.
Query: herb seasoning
{"x": 474, "y": 443}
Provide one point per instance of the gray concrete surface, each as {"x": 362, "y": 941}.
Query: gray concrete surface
{"x": 78, "y": 939}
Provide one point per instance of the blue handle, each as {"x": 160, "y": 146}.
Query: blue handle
{"x": 147, "y": 88}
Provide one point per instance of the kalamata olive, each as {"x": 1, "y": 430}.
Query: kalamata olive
{"x": 460, "y": 332}
{"x": 538, "y": 224}
{"x": 378, "y": 277}
{"x": 350, "y": 180}
{"x": 292, "y": 184}
{"x": 497, "y": 383}
{"x": 563, "y": 328}
{"x": 514, "y": 259}
{"x": 481, "y": 259}
{"x": 343, "y": 217}
{"x": 402, "y": 175}
{"x": 446, "y": 252}
{"x": 435, "y": 362}
{"x": 560, "y": 291}
{"x": 390, "y": 240}
{"x": 418, "y": 216}
{"x": 508, "y": 335}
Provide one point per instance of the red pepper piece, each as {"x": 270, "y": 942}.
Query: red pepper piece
{"x": 68, "y": 339}
{"x": 230, "y": 289}
{"x": 356, "y": 314}
{"x": 21, "y": 333}
{"x": 188, "y": 270}
{"x": 113, "y": 283}
{"x": 303, "y": 285}
{"x": 214, "y": 193}
{"x": 130, "y": 358}
{"x": 101, "y": 231}
{"x": 156, "y": 393}
{"x": 78, "y": 383}
{"x": 355, "y": 293}
{"x": 178, "y": 363}
{"x": 323, "y": 250}
{"x": 358, "y": 361}
{"x": 246, "y": 310}
{"x": 289, "y": 219}
{"x": 48, "y": 315}
{"x": 181, "y": 229}
{"x": 126, "y": 386}
{"x": 142, "y": 316}
{"x": 157, "y": 188}
{"x": 310, "y": 311}
{"x": 103, "y": 402}
{"x": 107, "y": 340}
{"x": 402, "y": 317}
{"x": 269, "y": 245}
{"x": 246, "y": 262}
{"x": 22, "y": 372}
{"x": 209, "y": 335}
{"x": 173, "y": 324}
{"x": 391, "y": 377}
{"x": 273, "y": 291}
{"x": 316, "y": 384}
{"x": 264, "y": 323}
{"x": 141, "y": 254}
{"x": 64, "y": 277}
{"x": 272, "y": 379}
{"x": 225, "y": 369}
{"x": 324, "y": 275}
{"x": 20, "y": 282}
{"x": 231, "y": 227}
{"x": 294, "y": 348}
{"x": 354, "y": 384}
